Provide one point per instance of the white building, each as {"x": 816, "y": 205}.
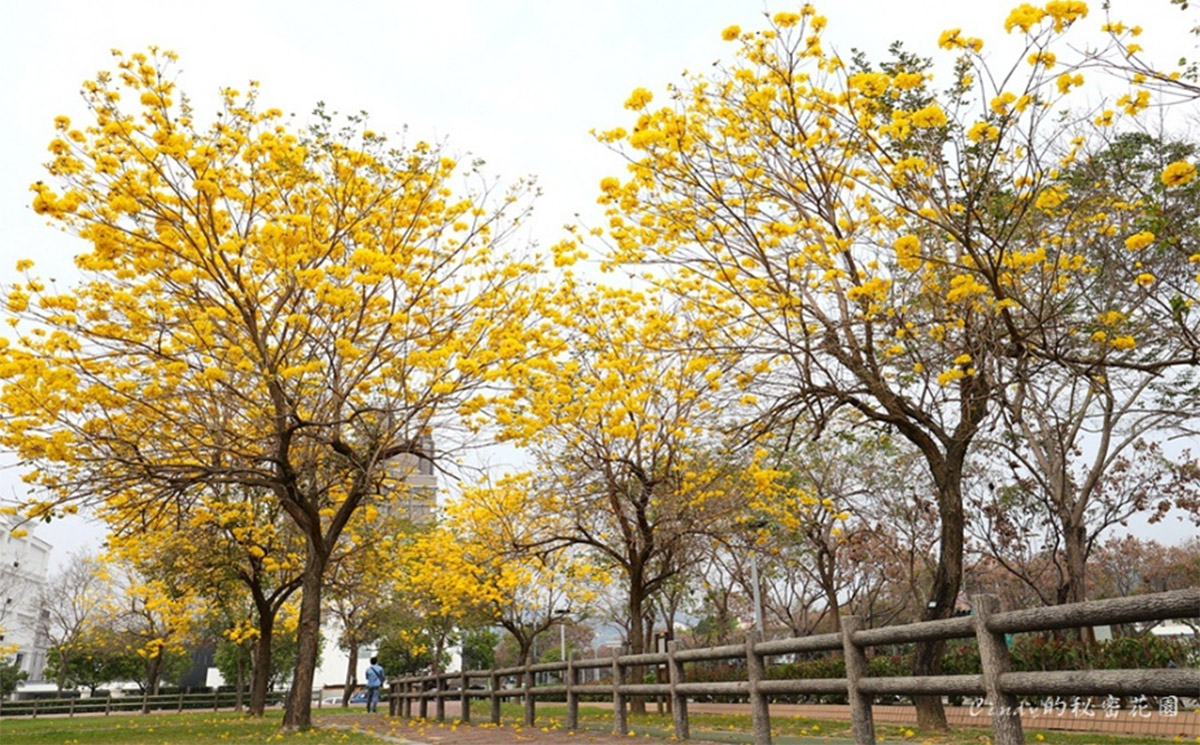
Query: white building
{"x": 24, "y": 564}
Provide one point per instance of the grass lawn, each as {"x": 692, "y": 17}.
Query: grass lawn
{"x": 217, "y": 728}
{"x": 165, "y": 729}
{"x": 735, "y": 728}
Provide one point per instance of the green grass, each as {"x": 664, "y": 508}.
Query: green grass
{"x": 166, "y": 729}
{"x": 736, "y": 728}
{"x": 732, "y": 728}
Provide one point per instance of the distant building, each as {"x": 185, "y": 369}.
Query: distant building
{"x": 419, "y": 499}
{"x": 24, "y": 564}
{"x": 416, "y": 501}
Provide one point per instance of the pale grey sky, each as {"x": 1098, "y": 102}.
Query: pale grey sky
{"x": 517, "y": 82}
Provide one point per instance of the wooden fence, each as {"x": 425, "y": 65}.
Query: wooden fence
{"x": 998, "y": 685}
{"x": 177, "y": 702}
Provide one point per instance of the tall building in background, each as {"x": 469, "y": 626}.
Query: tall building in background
{"x": 24, "y": 563}
{"x": 417, "y": 499}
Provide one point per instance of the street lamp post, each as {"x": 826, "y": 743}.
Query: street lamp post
{"x": 562, "y": 632}
{"x": 758, "y": 611}
{"x": 756, "y": 591}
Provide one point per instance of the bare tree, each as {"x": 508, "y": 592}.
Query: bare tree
{"x": 71, "y": 599}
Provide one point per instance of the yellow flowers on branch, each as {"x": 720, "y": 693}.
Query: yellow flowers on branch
{"x": 263, "y": 308}
{"x": 885, "y": 247}
{"x": 624, "y": 421}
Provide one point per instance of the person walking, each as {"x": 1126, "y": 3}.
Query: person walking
{"x": 375, "y": 676}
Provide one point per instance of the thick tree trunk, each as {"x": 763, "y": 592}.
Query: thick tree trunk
{"x": 524, "y": 648}
{"x": 637, "y": 642}
{"x": 299, "y": 707}
{"x": 260, "y": 677}
{"x": 827, "y": 569}
{"x": 947, "y": 580}
{"x": 241, "y": 683}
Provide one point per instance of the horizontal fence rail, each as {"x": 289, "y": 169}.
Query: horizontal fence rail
{"x": 998, "y": 684}
{"x": 177, "y": 702}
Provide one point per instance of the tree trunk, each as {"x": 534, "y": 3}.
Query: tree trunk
{"x": 1076, "y": 590}
{"x": 947, "y": 580}
{"x": 153, "y": 673}
{"x": 351, "y": 671}
{"x": 637, "y": 643}
{"x": 260, "y": 677}
{"x": 827, "y": 570}
{"x": 61, "y": 681}
{"x": 299, "y": 707}
{"x": 241, "y": 683}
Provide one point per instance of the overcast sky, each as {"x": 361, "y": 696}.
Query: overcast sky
{"x": 516, "y": 82}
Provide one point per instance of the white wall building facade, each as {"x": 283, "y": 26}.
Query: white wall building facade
{"x": 24, "y": 565}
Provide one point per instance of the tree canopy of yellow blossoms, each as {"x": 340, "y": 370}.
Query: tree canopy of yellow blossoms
{"x": 625, "y": 418}
{"x": 879, "y": 241}
{"x": 262, "y": 307}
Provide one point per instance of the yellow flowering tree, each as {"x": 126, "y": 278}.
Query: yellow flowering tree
{"x": 1074, "y": 423}
{"x": 262, "y": 308}
{"x": 155, "y": 615}
{"x": 358, "y": 586}
{"x": 253, "y": 558}
{"x": 623, "y": 420}
{"x": 891, "y": 246}
{"x": 496, "y": 526}
{"x": 439, "y": 590}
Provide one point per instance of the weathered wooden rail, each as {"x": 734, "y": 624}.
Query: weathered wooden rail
{"x": 998, "y": 683}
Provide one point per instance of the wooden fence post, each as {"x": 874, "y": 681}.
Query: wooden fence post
{"x": 530, "y": 703}
{"x": 494, "y": 683}
{"x": 392, "y": 701}
{"x": 678, "y": 700}
{"x": 108, "y": 704}
{"x": 995, "y": 661}
{"x": 422, "y": 700}
{"x": 620, "y": 720}
{"x": 756, "y": 673}
{"x": 572, "y": 681}
{"x": 861, "y": 721}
